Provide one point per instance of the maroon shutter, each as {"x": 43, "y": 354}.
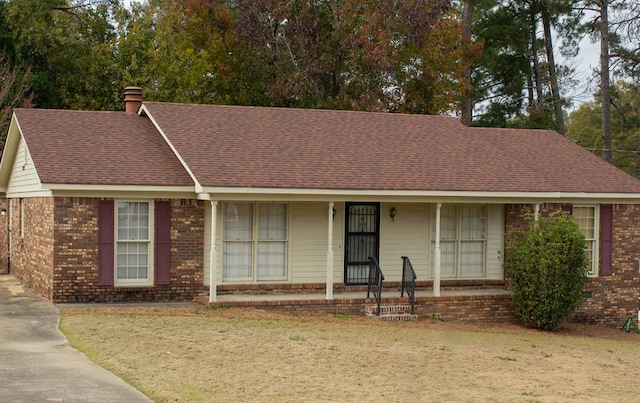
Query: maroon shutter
{"x": 105, "y": 242}
{"x": 606, "y": 239}
{"x": 568, "y": 208}
{"x": 162, "y": 242}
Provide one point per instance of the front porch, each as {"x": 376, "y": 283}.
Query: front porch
{"x": 482, "y": 304}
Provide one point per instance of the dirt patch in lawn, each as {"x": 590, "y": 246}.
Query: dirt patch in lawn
{"x": 198, "y": 354}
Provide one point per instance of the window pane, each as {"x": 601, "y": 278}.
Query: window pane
{"x": 448, "y": 222}
{"x": 471, "y": 259}
{"x": 472, "y": 222}
{"x": 133, "y": 221}
{"x": 271, "y": 259}
{"x": 122, "y": 272}
{"x": 585, "y": 216}
{"x": 447, "y": 259}
{"x": 238, "y": 223}
{"x": 237, "y": 259}
{"x": 273, "y": 221}
{"x": 132, "y": 258}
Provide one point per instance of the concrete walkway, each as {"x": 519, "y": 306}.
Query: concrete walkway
{"x": 37, "y": 364}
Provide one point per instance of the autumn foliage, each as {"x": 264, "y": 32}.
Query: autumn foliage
{"x": 377, "y": 55}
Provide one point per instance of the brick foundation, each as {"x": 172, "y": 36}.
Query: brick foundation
{"x": 462, "y": 308}
{"x": 311, "y": 288}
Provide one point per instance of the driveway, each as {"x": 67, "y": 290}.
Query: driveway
{"x": 37, "y": 364}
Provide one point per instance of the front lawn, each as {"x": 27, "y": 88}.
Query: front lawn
{"x": 198, "y": 354}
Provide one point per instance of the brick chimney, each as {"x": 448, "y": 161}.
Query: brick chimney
{"x": 132, "y": 99}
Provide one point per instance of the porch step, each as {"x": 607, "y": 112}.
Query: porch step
{"x": 399, "y": 312}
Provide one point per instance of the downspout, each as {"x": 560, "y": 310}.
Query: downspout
{"x": 213, "y": 253}
{"x": 329, "y": 285}
{"x": 436, "y": 255}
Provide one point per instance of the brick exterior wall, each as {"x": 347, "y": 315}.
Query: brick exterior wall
{"x": 32, "y": 243}
{"x": 611, "y": 299}
{"x": 57, "y": 256}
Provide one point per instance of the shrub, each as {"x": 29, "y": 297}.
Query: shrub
{"x": 547, "y": 266}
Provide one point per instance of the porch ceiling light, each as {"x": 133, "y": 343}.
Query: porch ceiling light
{"x": 392, "y": 213}
{"x": 3, "y": 211}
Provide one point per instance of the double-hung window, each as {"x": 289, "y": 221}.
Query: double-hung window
{"x": 255, "y": 241}
{"x": 462, "y": 240}
{"x": 587, "y": 219}
{"x": 133, "y": 242}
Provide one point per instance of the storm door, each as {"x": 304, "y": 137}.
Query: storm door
{"x": 362, "y": 237}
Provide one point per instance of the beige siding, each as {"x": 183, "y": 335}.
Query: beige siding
{"x": 308, "y": 239}
{"x": 23, "y": 174}
{"x": 406, "y": 236}
{"x": 495, "y": 242}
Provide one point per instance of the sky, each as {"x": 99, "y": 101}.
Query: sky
{"x": 587, "y": 60}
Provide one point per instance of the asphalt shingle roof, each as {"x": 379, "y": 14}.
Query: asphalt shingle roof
{"x": 99, "y": 148}
{"x": 257, "y": 147}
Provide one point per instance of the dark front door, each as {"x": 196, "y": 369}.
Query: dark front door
{"x": 362, "y": 239}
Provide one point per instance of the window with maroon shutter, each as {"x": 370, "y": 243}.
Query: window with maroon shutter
{"x": 105, "y": 242}
{"x": 162, "y": 242}
{"x": 606, "y": 239}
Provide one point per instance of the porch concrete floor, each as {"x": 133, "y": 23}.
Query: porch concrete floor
{"x": 223, "y": 298}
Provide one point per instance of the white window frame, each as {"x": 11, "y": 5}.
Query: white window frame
{"x": 458, "y": 241}
{"x": 595, "y": 241}
{"x": 150, "y": 246}
{"x": 255, "y": 243}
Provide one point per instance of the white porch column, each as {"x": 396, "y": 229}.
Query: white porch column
{"x": 213, "y": 254}
{"x": 436, "y": 255}
{"x": 329, "y": 285}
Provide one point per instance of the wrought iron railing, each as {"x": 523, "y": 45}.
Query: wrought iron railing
{"x": 374, "y": 285}
{"x": 408, "y": 282}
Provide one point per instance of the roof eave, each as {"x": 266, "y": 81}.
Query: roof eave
{"x": 231, "y": 193}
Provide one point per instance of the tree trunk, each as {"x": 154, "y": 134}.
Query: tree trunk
{"x": 534, "y": 57}
{"x": 553, "y": 77}
{"x": 467, "y": 102}
{"x": 605, "y": 94}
